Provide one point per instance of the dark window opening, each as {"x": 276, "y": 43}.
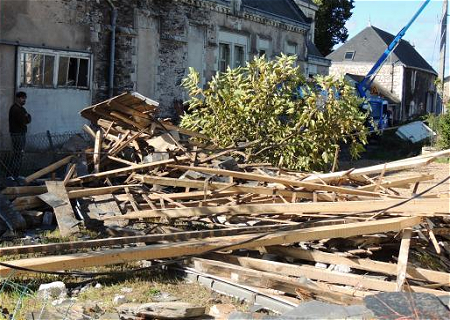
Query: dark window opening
{"x": 349, "y": 55}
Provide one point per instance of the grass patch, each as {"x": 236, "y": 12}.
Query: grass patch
{"x": 141, "y": 287}
{"x": 442, "y": 160}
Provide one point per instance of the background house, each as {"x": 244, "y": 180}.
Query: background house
{"x": 405, "y": 74}
{"x": 59, "y": 51}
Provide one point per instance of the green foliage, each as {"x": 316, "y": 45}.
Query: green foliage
{"x": 444, "y": 131}
{"x": 330, "y": 23}
{"x": 441, "y": 125}
{"x": 261, "y": 102}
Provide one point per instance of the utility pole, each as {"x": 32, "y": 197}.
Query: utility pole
{"x": 443, "y": 47}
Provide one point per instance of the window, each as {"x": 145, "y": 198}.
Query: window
{"x": 37, "y": 70}
{"x": 53, "y": 69}
{"x": 263, "y": 47}
{"x": 239, "y": 56}
{"x": 224, "y": 57}
{"x": 73, "y": 72}
{"x": 291, "y": 49}
{"x": 232, "y": 50}
{"x": 349, "y": 55}
{"x": 413, "y": 80}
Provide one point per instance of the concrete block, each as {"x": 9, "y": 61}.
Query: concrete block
{"x": 55, "y": 289}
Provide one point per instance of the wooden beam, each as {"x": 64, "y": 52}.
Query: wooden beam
{"x": 65, "y": 217}
{"x": 361, "y": 264}
{"x": 48, "y": 169}
{"x": 274, "y": 281}
{"x": 403, "y": 258}
{"x": 69, "y": 173}
{"x": 399, "y": 182}
{"x": 86, "y": 192}
{"x": 197, "y": 247}
{"x": 414, "y": 207}
{"x": 358, "y": 281}
{"x": 97, "y": 151}
{"x": 287, "y": 182}
{"x": 391, "y": 166}
{"x": 64, "y": 247}
{"x": 120, "y": 171}
{"x": 185, "y": 183}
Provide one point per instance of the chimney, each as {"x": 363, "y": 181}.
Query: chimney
{"x": 235, "y": 6}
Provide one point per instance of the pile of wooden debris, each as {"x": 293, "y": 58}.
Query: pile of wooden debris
{"x": 336, "y": 236}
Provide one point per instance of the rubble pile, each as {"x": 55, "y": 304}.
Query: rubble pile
{"x": 153, "y": 192}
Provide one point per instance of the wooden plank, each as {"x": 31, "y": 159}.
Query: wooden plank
{"x": 391, "y": 166}
{"x": 70, "y": 173}
{"x": 358, "y": 281}
{"x": 287, "y": 182}
{"x": 274, "y": 281}
{"x": 361, "y": 264}
{"x": 413, "y": 207}
{"x": 64, "y": 247}
{"x": 197, "y": 247}
{"x": 403, "y": 258}
{"x": 25, "y": 190}
{"x": 48, "y": 169}
{"x": 185, "y": 183}
{"x": 430, "y": 226}
{"x": 125, "y": 170}
{"x": 65, "y": 217}
{"x": 86, "y": 192}
{"x": 13, "y": 219}
{"x": 27, "y": 202}
{"x": 399, "y": 182}
{"x": 97, "y": 151}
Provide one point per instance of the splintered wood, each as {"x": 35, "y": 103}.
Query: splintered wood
{"x": 163, "y": 193}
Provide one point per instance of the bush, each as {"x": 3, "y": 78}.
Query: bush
{"x": 444, "y": 131}
{"x": 441, "y": 125}
{"x": 297, "y": 123}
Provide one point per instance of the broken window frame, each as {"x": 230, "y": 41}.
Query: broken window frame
{"x": 25, "y": 80}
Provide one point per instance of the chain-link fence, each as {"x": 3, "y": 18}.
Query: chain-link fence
{"x": 29, "y": 153}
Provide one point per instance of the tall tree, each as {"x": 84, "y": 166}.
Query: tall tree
{"x": 330, "y": 23}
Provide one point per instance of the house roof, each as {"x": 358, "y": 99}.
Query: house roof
{"x": 370, "y": 43}
{"x": 286, "y": 9}
{"x": 312, "y": 50}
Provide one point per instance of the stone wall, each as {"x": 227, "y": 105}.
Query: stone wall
{"x": 389, "y": 77}
{"x": 153, "y": 39}
{"x": 417, "y": 97}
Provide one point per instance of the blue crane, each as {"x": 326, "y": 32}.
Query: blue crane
{"x": 377, "y": 104}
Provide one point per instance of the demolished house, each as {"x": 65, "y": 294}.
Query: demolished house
{"x": 153, "y": 191}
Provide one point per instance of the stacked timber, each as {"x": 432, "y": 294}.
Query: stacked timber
{"x": 337, "y": 236}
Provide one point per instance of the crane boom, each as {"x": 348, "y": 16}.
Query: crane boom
{"x": 365, "y": 84}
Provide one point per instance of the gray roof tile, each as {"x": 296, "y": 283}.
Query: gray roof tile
{"x": 371, "y": 42}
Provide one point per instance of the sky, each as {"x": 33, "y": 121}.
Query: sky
{"x": 392, "y": 15}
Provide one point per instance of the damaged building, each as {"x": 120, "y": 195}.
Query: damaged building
{"x": 66, "y": 54}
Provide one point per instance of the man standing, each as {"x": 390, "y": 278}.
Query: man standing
{"x": 19, "y": 118}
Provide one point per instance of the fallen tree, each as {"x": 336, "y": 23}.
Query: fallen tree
{"x": 299, "y": 124}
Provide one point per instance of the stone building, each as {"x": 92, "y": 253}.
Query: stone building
{"x": 405, "y": 75}
{"x": 67, "y": 54}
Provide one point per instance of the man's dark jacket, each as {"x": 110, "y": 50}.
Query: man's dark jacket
{"x": 18, "y": 119}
